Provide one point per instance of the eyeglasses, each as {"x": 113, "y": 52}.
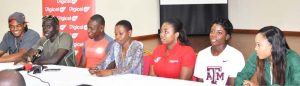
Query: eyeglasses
{"x": 50, "y": 17}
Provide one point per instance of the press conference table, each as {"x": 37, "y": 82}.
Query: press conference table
{"x": 73, "y": 76}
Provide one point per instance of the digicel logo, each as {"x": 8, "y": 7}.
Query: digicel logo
{"x": 66, "y": 1}
{"x": 62, "y": 9}
{"x": 62, "y": 27}
{"x": 74, "y": 18}
{"x": 79, "y": 9}
{"x": 85, "y": 27}
{"x": 67, "y": 18}
{"x": 56, "y": 9}
{"x": 74, "y": 35}
{"x": 78, "y": 44}
{"x": 78, "y": 27}
{"x": 86, "y": 9}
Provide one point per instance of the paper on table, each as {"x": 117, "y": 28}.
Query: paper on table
{"x": 9, "y": 65}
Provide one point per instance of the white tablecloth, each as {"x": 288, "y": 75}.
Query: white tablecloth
{"x": 73, "y": 76}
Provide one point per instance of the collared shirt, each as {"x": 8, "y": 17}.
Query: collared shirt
{"x": 132, "y": 63}
{"x": 169, "y": 64}
{"x": 11, "y": 45}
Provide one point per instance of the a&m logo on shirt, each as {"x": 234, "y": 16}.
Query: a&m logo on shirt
{"x": 214, "y": 73}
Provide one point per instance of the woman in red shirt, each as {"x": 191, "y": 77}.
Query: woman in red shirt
{"x": 174, "y": 58}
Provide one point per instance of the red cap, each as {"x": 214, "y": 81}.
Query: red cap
{"x": 18, "y": 17}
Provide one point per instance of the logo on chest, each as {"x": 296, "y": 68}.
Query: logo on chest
{"x": 214, "y": 73}
{"x": 157, "y": 59}
{"x": 99, "y": 50}
{"x": 173, "y": 61}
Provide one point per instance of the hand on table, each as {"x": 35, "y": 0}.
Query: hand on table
{"x": 248, "y": 83}
{"x": 93, "y": 70}
{"x": 100, "y": 73}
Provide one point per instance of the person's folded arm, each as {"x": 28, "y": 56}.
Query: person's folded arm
{"x": 186, "y": 73}
{"x": 16, "y": 57}
{"x": 247, "y": 72}
{"x": 28, "y": 42}
{"x": 108, "y": 59}
{"x": 2, "y": 53}
{"x": 54, "y": 59}
{"x": 151, "y": 71}
{"x": 188, "y": 64}
{"x": 151, "y": 66}
{"x": 294, "y": 69}
{"x": 133, "y": 64}
{"x": 83, "y": 60}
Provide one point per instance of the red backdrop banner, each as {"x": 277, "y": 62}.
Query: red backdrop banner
{"x": 73, "y": 16}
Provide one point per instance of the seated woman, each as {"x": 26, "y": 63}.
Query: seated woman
{"x": 125, "y": 55}
{"x": 274, "y": 62}
{"x": 219, "y": 63}
{"x": 174, "y": 58}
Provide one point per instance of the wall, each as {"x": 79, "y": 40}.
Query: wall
{"x": 143, "y": 14}
{"x": 175, "y": 2}
{"x": 255, "y": 14}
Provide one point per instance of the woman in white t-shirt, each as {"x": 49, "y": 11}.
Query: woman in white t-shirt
{"x": 219, "y": 63}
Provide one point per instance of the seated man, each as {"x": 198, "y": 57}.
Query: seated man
{"x": 54, "y": 48}
{"x": 11, "y": 78}
{"x": 18, "y": 40}
{"x": 98, "y": 44}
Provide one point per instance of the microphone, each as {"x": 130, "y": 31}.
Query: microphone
{"x": 20, "y": 69}
{"x": 39, "y": 51}
{"x": 26, "y": 67}
{"x": 30, "y": 68}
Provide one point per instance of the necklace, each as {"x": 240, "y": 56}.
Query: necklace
{"x": 17, "y": 43}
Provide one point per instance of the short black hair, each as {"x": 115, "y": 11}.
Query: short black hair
{"x": 126, "y": 24}
{"x": 225, "y": 23}
{"x": 13, "y": 77}
{"x": 26, "y": 28}
{"x": 98, "y": 18}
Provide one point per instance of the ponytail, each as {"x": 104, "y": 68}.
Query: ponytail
{"x": 183, "y": 38}
{"x": 178, "y": 27}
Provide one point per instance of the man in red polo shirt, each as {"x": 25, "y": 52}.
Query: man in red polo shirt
{"x": 98, "y": 44}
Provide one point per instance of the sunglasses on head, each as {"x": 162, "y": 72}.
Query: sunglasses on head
{"x": 50, "y": 17}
